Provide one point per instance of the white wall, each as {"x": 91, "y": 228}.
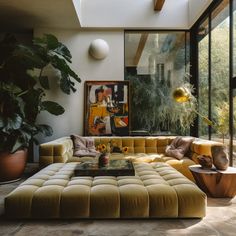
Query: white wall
{"x": 111, "y": 68}
{"x": 196, "y": 8}
{"x": 134, "y": 14}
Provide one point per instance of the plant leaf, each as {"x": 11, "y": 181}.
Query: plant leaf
{"x": 62, "y": 66}
{"x": 25, "y": 135}
{"x": 39, "y": 41}
{"x": 28, "y": 57}
{"x": 12, "y": 123}
{"x": 63, "y": 51}
{"x": 17, "y": 145}
{"x": 51, "y": 41}
{"x": 32, "y": 106}
{"x": 45, "y": 129}
{"x": 44, "y": 82}
{"x": 1, "y": 122}
{"x": 10, "y": 87}
{"x": 65, "y": 84}
{"x": 73, "y": 89}
{"x": 53, "y": 107}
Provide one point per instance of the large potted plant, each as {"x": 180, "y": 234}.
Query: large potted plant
{"x": 23, "y": 84}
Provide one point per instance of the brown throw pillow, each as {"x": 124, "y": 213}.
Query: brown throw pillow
{"x": 179, "y": 147}
{"x": 83, "y": 146}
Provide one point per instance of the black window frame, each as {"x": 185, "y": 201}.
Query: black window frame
{"x": 194, "y": 58}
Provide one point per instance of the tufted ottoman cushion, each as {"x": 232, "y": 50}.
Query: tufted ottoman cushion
{"x": 156, "y": 191}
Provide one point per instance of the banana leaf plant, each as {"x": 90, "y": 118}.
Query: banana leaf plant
{"x": 23, "y": 83}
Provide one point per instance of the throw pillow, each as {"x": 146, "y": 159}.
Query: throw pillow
{"x": 90, "y": 144}
{"x": 83, "y": 146}
{"x": 78, "y": 142}
{"x": 179, "y": 147}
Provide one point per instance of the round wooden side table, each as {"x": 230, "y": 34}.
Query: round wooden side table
{"x": 215, "y": 183}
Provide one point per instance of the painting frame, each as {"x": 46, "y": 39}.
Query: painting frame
{"x": 107, "y": 108}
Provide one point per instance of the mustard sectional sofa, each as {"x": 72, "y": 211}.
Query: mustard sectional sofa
{"x": 156, "y": 191}
{"x": 146, "y": 149}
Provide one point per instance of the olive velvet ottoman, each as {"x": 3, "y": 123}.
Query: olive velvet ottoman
{"x": 156, "y": 191}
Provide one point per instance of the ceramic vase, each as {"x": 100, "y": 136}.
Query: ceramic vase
{"x": 205, "y": 161}
{"x": 103, "y": 160}
{"x": 220, "y": 157}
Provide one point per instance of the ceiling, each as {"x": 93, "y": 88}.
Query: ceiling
{"x": 67, "y": 14}
{"x": 157, "y": 44}
{"x": 27, "y": 14}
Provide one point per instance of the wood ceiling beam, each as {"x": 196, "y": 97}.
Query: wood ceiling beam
{"x": 158, "y": 4}
{"x": 141, "y": 45}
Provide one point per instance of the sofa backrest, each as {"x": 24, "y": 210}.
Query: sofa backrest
{"x": 157, "y": 144}
{"x": 61, "y": 150}
{"x": 144, "y": 144}
{"x": 202, "y": 147}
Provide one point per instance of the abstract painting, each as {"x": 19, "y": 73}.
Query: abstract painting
{"x": 106, "y": 108}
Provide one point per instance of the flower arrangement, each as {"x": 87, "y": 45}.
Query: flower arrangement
{"x": 103, "y": 148}
{"x": 106, "y": 148}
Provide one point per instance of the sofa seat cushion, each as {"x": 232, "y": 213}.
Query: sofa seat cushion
{"x": 157, "y": 190}
{"x": 143, "y": 157}
{"x": 135, "y": 157}
{"x": 81, "y": 159}
{"x": 182, "y": 166}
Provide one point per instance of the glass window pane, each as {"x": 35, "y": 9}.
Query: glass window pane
{"x": 220, "y": 72}
{"x": 234, "y": 128}
{"x": 155, "y": 63}
{"x": 203, "y": 54}
{"x": 234, "y": 38}
{"x": 187, "y": 53}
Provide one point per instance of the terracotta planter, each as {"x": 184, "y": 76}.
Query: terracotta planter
{"x": 12, "y": 165}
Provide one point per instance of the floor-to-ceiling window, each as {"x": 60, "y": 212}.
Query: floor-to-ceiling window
{"x": 233, "y": 84}
{"x": 203, "y": 68}
{"x": 220, "y": 72}
{"x": 234, "y": 37}
{"x": 213, "y": 34}
{"x": 155, "y": 64}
